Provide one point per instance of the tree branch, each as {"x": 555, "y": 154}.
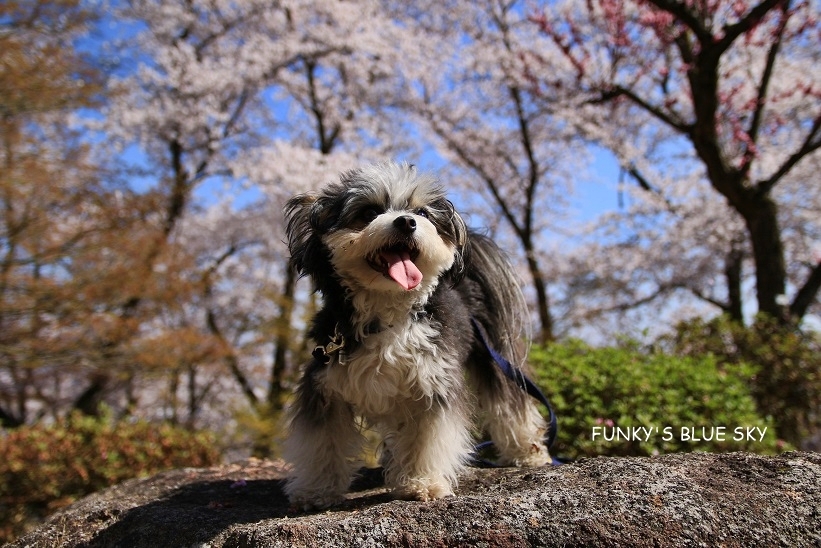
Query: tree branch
{"x": 644, "y": 184}
{"x": 688, "y": 17}
{"x": 619, "y": 91}
{"x": 811, "y": 144}
{"x": 533, "y": 164}
{"x": 625, "y": 306}
{"x": 231, "y": 359}
{"x": 754, "y": 17}
{"x": 763, "y": 86}
{"x": 325, "y": 141}
{"x": 807, "y": 294}
{"x": 724, "y": 306}
{"x": 446, "y": 135}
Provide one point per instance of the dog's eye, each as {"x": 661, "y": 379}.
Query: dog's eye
{"x": 422, "y": 212}
{"x": 368, "y": 214}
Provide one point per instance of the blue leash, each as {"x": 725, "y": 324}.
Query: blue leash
{"x": 522, "y": 381}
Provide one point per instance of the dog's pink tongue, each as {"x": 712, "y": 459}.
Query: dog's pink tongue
{"x": 402, "y": 270}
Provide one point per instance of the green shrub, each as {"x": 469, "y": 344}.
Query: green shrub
{"x": 787, "y": 385}
{"x": 45, "y": 467}
{"x": 595, "y": 391}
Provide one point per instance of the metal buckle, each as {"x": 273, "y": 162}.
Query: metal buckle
{"x": 335, "y": 346}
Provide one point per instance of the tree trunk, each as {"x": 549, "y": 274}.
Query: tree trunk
{"x": 760, "y": 215}
{"x": 282, "y": 340}
{"x": 271, "y": 412}
{"x": 732, "y": 273}
{"x": 545, "y": 334}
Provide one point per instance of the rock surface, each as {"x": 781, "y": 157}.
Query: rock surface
{"x": 694, "y": 499}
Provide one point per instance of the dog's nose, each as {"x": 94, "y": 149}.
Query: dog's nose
{"x": 405, "y": 224}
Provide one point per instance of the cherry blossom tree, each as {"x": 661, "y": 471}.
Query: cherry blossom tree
{"x": 686, "y": 92}
{"x": 475, "y": 102}
{"x": 184, "y": 111}
{"x": 221, "y": 110}
{"x": 254, "y": 102}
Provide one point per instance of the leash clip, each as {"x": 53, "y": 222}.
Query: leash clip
{"x": 335, "y": 346}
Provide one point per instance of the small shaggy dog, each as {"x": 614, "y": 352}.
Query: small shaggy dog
{"x": 409, "y": 296}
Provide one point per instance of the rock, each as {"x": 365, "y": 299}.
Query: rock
{"x": 694, "y": 499}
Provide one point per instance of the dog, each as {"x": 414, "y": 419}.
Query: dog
{"x": 409, "y": 293}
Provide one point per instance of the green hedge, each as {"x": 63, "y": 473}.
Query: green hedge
{"x": 787, "y": 385}
{"x": 625, "y": 401}
{"x": 45, "y": 467}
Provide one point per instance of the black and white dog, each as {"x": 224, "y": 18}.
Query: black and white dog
{"x": 408, "y": 294}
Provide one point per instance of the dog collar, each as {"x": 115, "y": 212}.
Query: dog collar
{"x": 338, "y": 342}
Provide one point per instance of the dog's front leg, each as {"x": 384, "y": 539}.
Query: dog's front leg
{"x": 322, "y": 447}
{"x": 426, "y": 453}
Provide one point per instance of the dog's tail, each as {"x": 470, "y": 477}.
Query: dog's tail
{"x": 504, "y": 316}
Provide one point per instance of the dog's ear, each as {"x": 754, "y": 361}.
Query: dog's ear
{"x": 459, "y": 234}
{"x": 308, "y": 218}
{"x": 304, "y": 242}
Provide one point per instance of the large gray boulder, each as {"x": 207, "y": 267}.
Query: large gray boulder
{"x": 694, "y": 499}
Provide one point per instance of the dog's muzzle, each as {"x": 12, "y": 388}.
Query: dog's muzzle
{"x": 397, "y": 260}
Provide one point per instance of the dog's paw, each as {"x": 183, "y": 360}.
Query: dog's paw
{"x": 531, "y": 457}
{"x": 423, "y": 490}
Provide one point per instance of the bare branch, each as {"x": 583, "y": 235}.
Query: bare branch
{"x": 722, "y": 305}
{"x": 231, "y": 360}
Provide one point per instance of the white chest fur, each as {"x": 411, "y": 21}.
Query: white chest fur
{"x": 393, "y": 370}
